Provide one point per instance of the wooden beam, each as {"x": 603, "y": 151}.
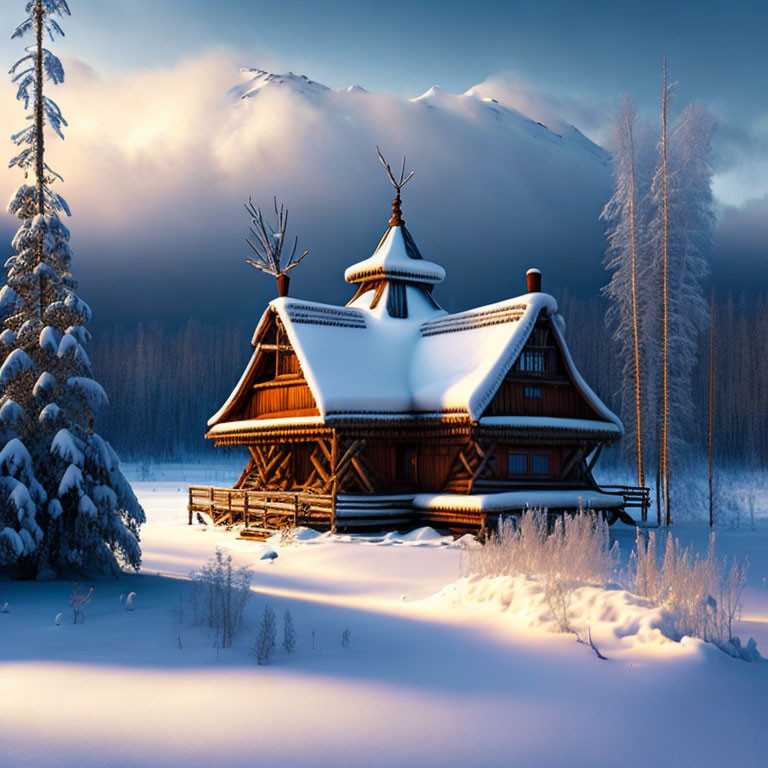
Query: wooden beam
{"x": 362, "y": 474}
{"x": 487, "y": 457}
{"x": 328, "y": 453}
{"x": 575, "y": 458}
{"x": 320, "y": 468}
{"x": 463, "y": 460}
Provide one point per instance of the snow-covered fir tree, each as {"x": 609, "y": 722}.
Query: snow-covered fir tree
{"x": 64, "y": 503}
{"x": 690, "y": 243}
{"x": 625, "y": 257}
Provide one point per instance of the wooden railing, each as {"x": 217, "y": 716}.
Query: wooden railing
{"x": 261, "y": 511}
{"x": 637, "y": 497}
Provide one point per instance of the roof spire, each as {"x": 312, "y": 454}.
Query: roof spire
{"x": 398, "y": 183}
{"x": 397, "y": 219}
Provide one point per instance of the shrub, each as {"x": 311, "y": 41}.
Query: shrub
{"x": 289, "y": 634}
{"x": 265, "y": 640}
{"x": 78, "y": 599}
{"x": 219, "y": 594}
{"x": 563, "y": 552}
{"x": 702, "y": 594}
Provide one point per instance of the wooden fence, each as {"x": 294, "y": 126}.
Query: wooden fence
{"x": 261, "y": 512}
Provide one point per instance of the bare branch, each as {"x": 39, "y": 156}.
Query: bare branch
{"x": 267, "y": 240}
{"x": 398, "y": 184}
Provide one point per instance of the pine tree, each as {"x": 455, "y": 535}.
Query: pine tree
{"x": 64, "y": 504}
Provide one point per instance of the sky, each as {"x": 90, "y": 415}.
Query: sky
{"x": 155, "y": 176}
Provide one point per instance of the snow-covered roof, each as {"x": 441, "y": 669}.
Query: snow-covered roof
{"x": 396, "y": 256}
{"x": 538, "y": 423}
{"x": 366, "y": 364}
{"x": 509, "y": 500}
{"x": 393, "y": 353}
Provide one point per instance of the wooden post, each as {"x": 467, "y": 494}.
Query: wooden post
{"x": 189, "y": 507}
{"x": 334, "y": 483}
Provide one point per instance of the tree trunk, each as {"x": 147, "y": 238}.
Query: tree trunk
{"x": 638, "y": 399}
{"x": 40, "y": 140}
{"x": 711, "y": 401}
{"x": 665, "y": 319}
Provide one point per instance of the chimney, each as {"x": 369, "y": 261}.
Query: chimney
{"x": 283, "y": 281}
{"x": 533, "y": 276}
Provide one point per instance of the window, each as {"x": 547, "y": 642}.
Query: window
{"x": 407, "y": 464}
{"x": 532, "y": 361}
{"x": 533, "y": 393}
{"x": 540, "y": 464}
{"x": 517, "y": 464}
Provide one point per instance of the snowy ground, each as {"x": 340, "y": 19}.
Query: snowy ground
{"x": 425, "y": 682}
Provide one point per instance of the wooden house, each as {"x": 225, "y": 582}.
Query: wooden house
{"x": 391, "y": 413}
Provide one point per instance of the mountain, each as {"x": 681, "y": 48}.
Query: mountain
{"x": 511, "y": 120}
{"x": 257, "y": 80}
{"x": 494, "y": 193}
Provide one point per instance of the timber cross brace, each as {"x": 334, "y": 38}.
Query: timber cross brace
{"x": 269, "y": 467}
{"x": 473, "y": 462}
{"x": 334, "y": 466}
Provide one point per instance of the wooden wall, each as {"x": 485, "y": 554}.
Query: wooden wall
{"x": 277, "y": 387}
{"x": 540, "y": 369}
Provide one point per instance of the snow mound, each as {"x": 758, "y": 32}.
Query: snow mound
{"x": 307, "y": 534}
{"x": 616, "y": 619}
{"x": 423, "y": 536}
{"x": 420, "y": 537}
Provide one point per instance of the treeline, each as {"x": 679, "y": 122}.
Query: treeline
{"x": 740, "y": 425}
{"x": 165, "y": 382}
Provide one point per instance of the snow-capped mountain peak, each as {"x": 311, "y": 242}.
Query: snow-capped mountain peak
{"x": 475, "y": 105}
{"x": 257, "y": 80}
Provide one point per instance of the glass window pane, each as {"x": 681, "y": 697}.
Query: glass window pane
{"x": 540, "y": 462}
{"x": 518, "y": 463}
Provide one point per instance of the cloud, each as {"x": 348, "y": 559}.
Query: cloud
{"x": 739, "y": 261}
{"x": 742, "y": 161}
{"x": 157, "y": 163}
{"x": 591, "y": 116}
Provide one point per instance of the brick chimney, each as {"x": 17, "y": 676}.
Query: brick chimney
{"x": 533, "y": 276}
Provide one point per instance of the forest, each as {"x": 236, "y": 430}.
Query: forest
{"x": 165, "y": 382}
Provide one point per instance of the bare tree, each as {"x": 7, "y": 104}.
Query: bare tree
{"x": 268, "y": 240}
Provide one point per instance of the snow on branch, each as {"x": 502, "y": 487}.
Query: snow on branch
{"x": 91, "y": 390}
{"x": 16, "y": 363}
{"x": 65, "y": 445}
{"x": 268, "y": 240}
{"x": 14, "y": 458}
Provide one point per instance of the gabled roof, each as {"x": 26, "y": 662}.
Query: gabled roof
{"x": 365, "y": 364}
{"x": 393, "y": 353}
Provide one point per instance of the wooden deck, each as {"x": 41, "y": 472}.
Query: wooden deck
{"x": 262, "y": 513}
